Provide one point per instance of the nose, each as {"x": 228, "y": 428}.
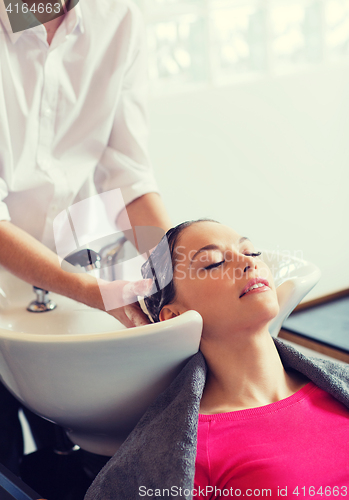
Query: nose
{"x": 241, "y": 261}
{"x": 250, "y": 264}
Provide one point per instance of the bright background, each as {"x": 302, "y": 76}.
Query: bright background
{"x": 249, "y": 116}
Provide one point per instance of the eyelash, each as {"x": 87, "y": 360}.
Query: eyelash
{"x": 216, "y": 264}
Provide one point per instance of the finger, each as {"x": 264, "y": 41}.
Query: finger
{"x": 141, "y": 287}
{"x": 118, "y": 294}
{"x": 136, "y": 315}
{"x": 112, "y": 293}
{"x": 120, "y": 315}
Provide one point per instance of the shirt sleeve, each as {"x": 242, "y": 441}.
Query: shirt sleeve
{"x": 125, "y": 162}
{"x": 4, "y": 213}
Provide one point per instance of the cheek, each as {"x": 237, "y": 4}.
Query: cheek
{"x": 197, "y": 294}
{"x": 208, "y": 297}
{"x": 192, "y": 296}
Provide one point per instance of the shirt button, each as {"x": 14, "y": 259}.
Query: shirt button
{"x": 48, "y": 112}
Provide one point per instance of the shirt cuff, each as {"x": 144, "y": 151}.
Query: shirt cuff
{"x": 4, "y": 213}
{"x": 131, "y": 193}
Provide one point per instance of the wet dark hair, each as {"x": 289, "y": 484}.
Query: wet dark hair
{"x": 159, "y": 267}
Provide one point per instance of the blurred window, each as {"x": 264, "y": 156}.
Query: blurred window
{"x": 208, "y": 43}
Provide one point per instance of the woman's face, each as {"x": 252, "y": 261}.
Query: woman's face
{"x": 214, "y": 272}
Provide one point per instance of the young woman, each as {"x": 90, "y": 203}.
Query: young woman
{"x": 258, "y": 425}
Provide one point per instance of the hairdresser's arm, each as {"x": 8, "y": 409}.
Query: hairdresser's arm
{"x": 33, "y": 262}
{"x": 147, "y": 210}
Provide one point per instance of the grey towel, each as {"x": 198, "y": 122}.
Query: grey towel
{"x": 160, "y": 452}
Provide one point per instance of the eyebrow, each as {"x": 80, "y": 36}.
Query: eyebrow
{"x": 243, "y": 238}
{"x": 215, "y": 247}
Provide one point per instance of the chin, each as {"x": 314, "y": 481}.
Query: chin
{"x": 267, "y": 312}
{"x": 271, "y": 313}
{"x": 272, "y": 309}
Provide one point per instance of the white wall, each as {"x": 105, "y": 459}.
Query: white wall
{"x": 270, "y": 158}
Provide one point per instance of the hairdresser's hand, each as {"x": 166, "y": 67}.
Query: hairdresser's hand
{"x": 120, "y": 300}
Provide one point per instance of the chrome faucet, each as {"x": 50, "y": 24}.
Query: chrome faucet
{"x": 42, "y": 302}
{"x": 86, "y": 260}
{"x": 110, "y": 255}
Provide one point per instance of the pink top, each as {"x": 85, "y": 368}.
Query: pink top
{"x": 297, "y": 445}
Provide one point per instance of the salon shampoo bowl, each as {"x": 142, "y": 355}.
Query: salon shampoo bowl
{"x": 81, "y": 369}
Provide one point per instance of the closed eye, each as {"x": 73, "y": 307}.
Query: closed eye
{"x": 216, "y": 264}
{"x": 255, "y": 254}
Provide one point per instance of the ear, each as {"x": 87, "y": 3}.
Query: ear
{"x": 168, "y": 312}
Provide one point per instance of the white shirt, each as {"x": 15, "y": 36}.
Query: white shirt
{"x": 72, "y": 114}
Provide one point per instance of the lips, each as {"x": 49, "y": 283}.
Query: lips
{"x": 254, "y": 281}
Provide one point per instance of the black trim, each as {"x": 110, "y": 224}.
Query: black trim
{"x": 13, "y": 488}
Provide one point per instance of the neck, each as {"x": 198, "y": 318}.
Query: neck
{"x": 48, "y": 20}
{"x": 51, "y": 28}
{"x": 245, "y": 372}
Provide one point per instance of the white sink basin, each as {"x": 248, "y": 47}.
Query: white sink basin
{"x": 82, "y": 369}
{"x": 70, "y": 317}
